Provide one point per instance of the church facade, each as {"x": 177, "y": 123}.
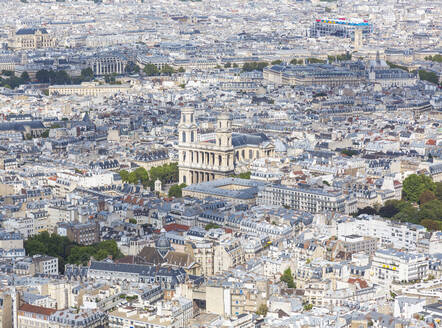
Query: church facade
{"x": 211, "y": 156}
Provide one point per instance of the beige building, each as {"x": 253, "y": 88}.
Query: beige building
{"x": 228, "y": 254}
{"x": 32, "y": 38}
{"x": 216, "y": 155}
{"x": 88, "y": 89}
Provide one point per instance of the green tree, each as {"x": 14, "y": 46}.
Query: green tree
{"x": 87, "y": 74}
{"x": 151, "y": 70}
{"x": 254, "y": 66}
{"x": 211, "y": 226}
{"x": 133, "y": 221}
{"x": 244, "y": 175}
{"x": 132, "y": 68}
{"x": 277, "y": 62}
{"x": 390, "y": 208}
{"x": 34, "y": 247}
{"x": 431, "y": 224}
{"x": 124, "y": 174}
{"x": 25, "y": 77}
{"x": 414, "y": 185}
{"x": 132, "y": 178}
{"x": 176, "y": 190}
{"x": 295, "y": 61}
{"x": 42, "y": 76}
{"x": 287, "y": 277}
{"x": 407, "y": 213}
{"x": 227, "y": 65}
{"x": 142, "y": 175}
{"x": 262, "y": 309}
{"x": 366, "y": 210}
{"x": 308, "y": 307}
{"x": 438, "y": 190}
{"x": 428, "y": 76}
{"x": 168, "y": 70}
{"x": 431, "y": 210}
{"x": 426, "y": 196}
{"x": 181, "y": 70}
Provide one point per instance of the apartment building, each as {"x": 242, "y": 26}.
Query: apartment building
{"x": 390, "y": 266}
{"x": 388, "y": 233}
{"x": 305, "y": 198}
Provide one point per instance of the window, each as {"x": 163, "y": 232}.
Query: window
{"x": 192, "y": 136}
{"x": 183, "y": 137}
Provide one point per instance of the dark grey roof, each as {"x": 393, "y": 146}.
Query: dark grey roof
{"x": 20, "y": 126}
{"x": 239, "y": 139}
{"x": 26, "y": 31}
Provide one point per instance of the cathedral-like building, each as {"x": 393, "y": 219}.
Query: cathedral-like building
{"x": 211, "y": 156}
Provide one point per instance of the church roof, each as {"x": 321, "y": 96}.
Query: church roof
{"x": 28, "y": 31}
{"x": 240, "y": 139}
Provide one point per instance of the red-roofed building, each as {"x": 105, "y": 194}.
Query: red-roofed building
{"x": 176, "y": 227}
{"x": 34, "y": 316}
{"x": 359, "y": 283}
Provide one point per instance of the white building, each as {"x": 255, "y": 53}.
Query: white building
{"x": 389, "y": 233}
{"x": 389, "y": 266}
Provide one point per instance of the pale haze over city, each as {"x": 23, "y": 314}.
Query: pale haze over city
{"x": 220, "y": 163}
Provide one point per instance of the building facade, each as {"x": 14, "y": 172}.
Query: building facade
{"x": 213, "y": 156}
{"x": 32, "y": 38}
{"x": 307, "y": 199}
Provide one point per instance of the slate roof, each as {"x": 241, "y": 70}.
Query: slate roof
{"x": 239, "y": 139}
{"x": 27, "y": 31}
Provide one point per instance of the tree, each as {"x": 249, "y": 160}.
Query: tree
{"x": 168, "y": 70}
{"x": 308, "y": 307}
{"x": 176, "y": 190}
{"x": 62, "y": 77}
{"x": 181, "y": 70}
{"x": 151, "y": 70}
{"x": 277, "y": 62}
{"x": 407, "y": 213}
{"x": 25, "y": 77}
{"x": 414, "y": 185}
{"x": 227, "y": 65}
{"x": 438, "y": 190}
{"x": 132, "y": 178}
{"x": 133, "y": 221}
{"x": 295, "y": 61}
{"x": 366, "y": 210}
{"x": 132, "y": 68}
{"x": 45, "y": 134}
{"x": 315, "y": 61}
{"x": 390, "y": 208}
{"x": 87, "y": 74}
{"x": 211, "y": 226}
{"x": 42, "y": 76}
{"x": 124, "y": 175}
{"x": 142, "y": 175}
{"x": 262, "y": 310}
{"x": 431, "y": 210}
{"x": 254, "y": 66}
{"x": 428, "y": 76}
{"x": 431, "y": 224}
{"x": 426, "y": 196}
{"x": 243, "y": 175}
{"x": 287, "y": 277}
{"x": 349, "y": 152}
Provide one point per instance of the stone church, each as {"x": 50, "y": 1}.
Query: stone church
{"x": 210, "y": 156}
